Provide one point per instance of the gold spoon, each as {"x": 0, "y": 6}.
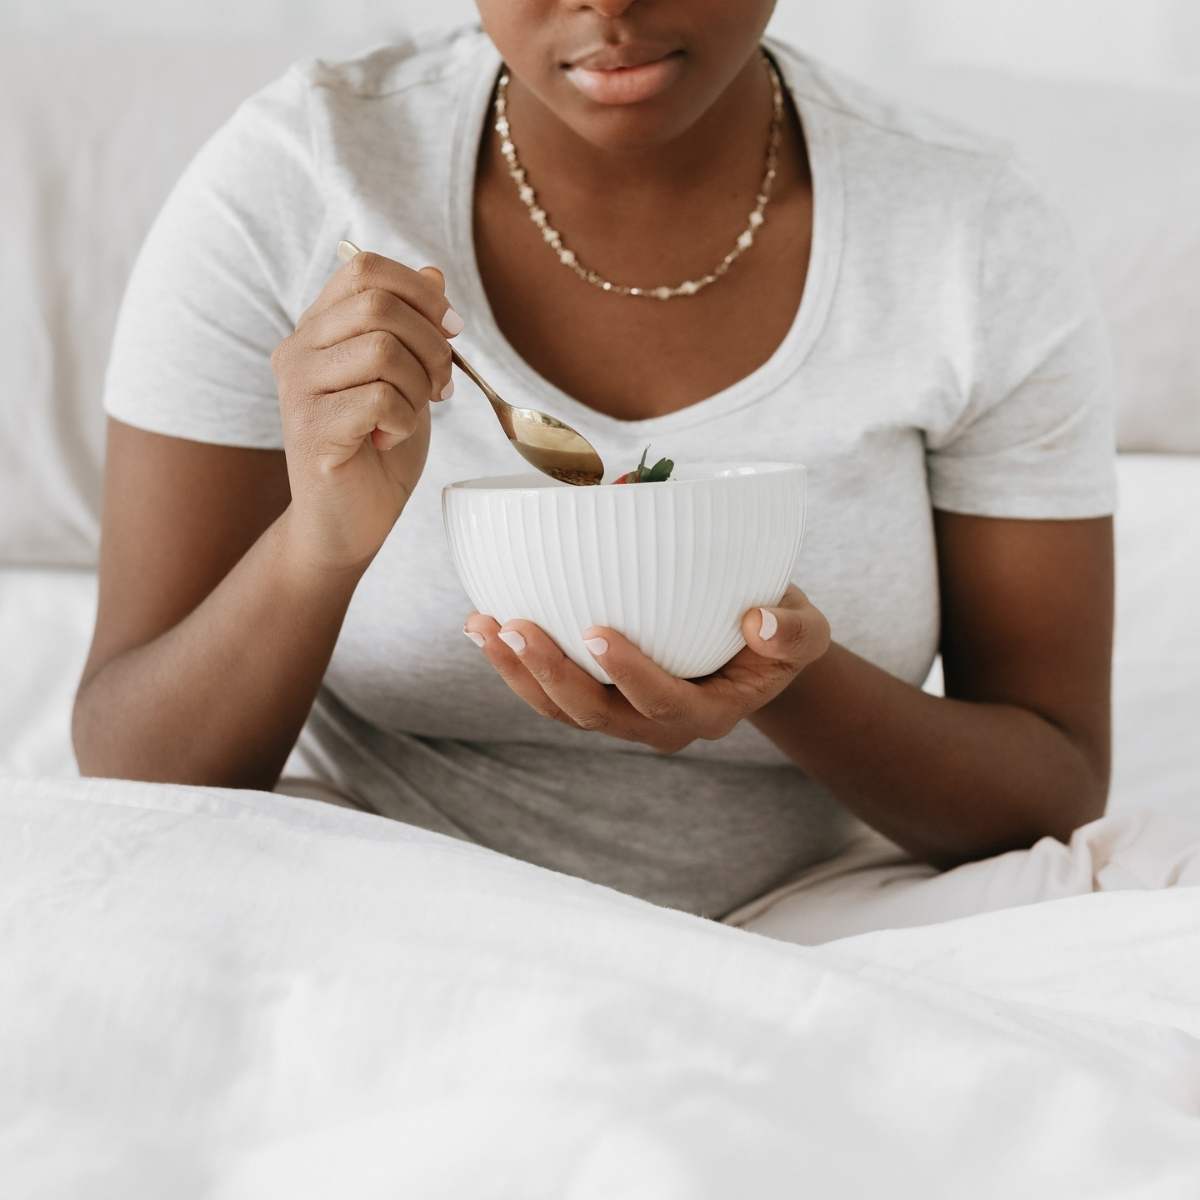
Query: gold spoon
{"x": 541, "y": 440}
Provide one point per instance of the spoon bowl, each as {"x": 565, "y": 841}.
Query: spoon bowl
{"x": 543, "y": 441}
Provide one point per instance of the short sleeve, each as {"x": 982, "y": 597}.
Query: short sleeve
{"x": 217, "y": 282}
{"x": 1036, "y": 436}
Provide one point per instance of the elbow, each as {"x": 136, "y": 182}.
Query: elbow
{"x": 100, "y": 750}
{"x": 1079, "y": 794}
{"x": 1077, "y": 805}
{"x": 1083, "y": 798}
{"x": 1087, "y": 803}
{"x": 1093, "y": 805}
{"x": 109, "y": 745}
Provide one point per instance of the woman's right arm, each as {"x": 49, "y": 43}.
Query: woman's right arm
{"x": 211, "y": 640}
{"x": 225, "y": 573}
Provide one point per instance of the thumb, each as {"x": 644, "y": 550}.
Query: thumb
{"x": 434, "y": 274}
{"x": 791, "y": 631}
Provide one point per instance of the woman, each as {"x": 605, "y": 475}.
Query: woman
{"x": 903, "y": 314}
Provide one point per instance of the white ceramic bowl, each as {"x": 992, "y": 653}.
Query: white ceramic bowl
{"x": 673, "y": 566}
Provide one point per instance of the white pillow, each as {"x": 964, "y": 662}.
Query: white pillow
{"x": 91, "y": 138}
{"x": 1156, "y": 669}
{"x": 1125, "y": 165}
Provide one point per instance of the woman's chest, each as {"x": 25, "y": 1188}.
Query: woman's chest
{"x": 635, "y": 358}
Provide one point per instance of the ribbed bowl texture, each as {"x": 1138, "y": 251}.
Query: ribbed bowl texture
{"x": 673, "y": 566}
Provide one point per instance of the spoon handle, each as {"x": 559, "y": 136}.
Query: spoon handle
{"x": 468, "y": 370}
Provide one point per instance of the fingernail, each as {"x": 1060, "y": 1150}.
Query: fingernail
{"x": 769, "y": 626}
{"x": 452, "y": 323}
{"x": 448, "y": 390}
{"x": 513, "y": 640}
{"x": 597, "y": 646}
{"x": 477, "y": 638}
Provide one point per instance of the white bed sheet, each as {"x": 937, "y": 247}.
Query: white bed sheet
{"x": 235, "y": 995}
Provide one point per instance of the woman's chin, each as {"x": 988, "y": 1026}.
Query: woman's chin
{"x": 629, "y": 128}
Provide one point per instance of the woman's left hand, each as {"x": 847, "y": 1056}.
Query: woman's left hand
{"x": 646, "y": 704}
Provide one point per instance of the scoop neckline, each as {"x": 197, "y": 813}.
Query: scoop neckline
{"x": 824, "y": 259}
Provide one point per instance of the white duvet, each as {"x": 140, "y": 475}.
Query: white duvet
{"x": 243, "y": 996}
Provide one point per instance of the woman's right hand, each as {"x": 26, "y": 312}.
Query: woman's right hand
{"x": 355, "y": 381}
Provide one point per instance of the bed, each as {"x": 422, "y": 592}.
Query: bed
{"x": 224, "y": 995}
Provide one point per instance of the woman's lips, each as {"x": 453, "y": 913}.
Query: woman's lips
{"x": 627, "y": 85}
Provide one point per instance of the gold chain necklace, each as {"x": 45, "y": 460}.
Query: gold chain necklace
{"x": 568, "y": 258}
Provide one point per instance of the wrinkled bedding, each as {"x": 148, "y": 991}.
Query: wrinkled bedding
{"x": 238, "y": 995}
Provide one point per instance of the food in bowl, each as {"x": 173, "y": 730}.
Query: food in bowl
{"x": 659, "y": 473}
{"x": 674, "y": 568}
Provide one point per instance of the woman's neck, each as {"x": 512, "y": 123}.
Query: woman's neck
{"x": 724, "y": 148}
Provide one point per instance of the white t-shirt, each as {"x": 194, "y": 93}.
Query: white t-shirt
{"x": 946, "y": 354}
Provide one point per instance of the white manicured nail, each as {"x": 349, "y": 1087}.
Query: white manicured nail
{"x": 452, "y": 323}
{"x": 596, "y": 646}
{"x": 513, "y": 640}
{"x": 477, "y": 638}
{"x": 769, "y": 626}
{"x": 448, "y": 390}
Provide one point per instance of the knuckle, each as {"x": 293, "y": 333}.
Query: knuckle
{"x": 664, "y": 711}
{"x": 594, "y": 721}
{"x": 431, "y": 292}
{"x": 401, "y": 421}
{"x": 381, "y": 344}
{"x": 376, "y": 302}
{"x": 362, "y": 264}
{"x": 616, "y": 673}
{"x": 810, "y": 638}
{"x": 796, "y": 641}
{"x": 381, "y": 395}
{"x": 548, "y": 674}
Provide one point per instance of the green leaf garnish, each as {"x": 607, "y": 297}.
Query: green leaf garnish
{"x": 659, "y": 473}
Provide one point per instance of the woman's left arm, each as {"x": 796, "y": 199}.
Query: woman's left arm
{"x": 1020, "y": 747}
{"x": 1017, "y": 750}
